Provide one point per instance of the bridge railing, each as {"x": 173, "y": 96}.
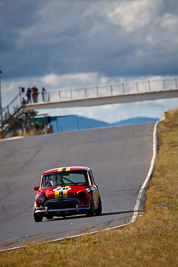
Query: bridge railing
{"x": 147, "y": 86}
{"x": 10, "y": 109}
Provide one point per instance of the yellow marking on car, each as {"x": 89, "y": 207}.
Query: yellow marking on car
{"x": 63, "y": 169}
{"x": 56, "y": 193}
{"x": 65, "y": 192}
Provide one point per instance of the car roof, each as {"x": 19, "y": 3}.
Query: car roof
{"x": 69, "y": 168}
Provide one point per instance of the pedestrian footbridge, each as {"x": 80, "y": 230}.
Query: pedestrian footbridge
{"x": 107, "y": 94}
{"x": 88, "y": 96}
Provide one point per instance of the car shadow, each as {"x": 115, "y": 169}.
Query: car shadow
{"x": 83, "y": 216}
{"x": 116, "y": 213}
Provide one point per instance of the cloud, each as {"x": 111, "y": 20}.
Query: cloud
{"x": 62, "y": 37}
{"x": 166, "y": 26}
{"x": 134, "y": 15}
{"x": 62, "y": 44}
{"x": 67, "y": 81}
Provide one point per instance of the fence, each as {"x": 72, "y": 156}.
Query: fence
{"x": 111, "y": 90}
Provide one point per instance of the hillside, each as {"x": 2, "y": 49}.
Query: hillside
{"x": 138, "y": 120}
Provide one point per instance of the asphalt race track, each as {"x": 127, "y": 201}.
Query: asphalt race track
{"x": 119, "y": 157}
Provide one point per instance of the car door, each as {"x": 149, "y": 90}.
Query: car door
{"x": 94, "y": 189}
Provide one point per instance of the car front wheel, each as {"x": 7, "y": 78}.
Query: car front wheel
{"x": 38, "y": 217}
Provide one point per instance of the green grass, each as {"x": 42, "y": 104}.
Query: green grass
{"x": 150, "y": 241}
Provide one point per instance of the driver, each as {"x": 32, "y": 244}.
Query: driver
{"x": 53, "y": 181}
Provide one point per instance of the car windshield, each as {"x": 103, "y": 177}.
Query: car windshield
{"x": 63, "y": 178}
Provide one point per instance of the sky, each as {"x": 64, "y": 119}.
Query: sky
{"x": 62, "y": 44}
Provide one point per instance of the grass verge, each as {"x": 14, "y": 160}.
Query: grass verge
{"x": 150, "y": 241}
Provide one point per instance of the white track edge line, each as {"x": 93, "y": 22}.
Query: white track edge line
{"x": 135, "y": 215}
{"x": 136, "y": 211}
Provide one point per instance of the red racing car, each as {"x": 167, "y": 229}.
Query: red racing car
{"x": 67, "y": 191}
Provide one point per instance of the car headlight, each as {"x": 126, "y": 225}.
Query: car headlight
{"x": 40, "y": 198}
{"x": 87, "y": 190}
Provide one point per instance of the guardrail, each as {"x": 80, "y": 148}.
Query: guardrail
{"x": 109, "y": 90}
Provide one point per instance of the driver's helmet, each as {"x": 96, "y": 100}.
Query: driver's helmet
{"x": 53, "y": 180}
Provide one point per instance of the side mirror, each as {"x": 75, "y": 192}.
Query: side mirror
{"x": 36, "y": 188}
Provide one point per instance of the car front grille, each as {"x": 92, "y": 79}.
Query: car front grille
{"x": 55, "y": 204}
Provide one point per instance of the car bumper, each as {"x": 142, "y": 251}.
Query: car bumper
{"x": 62, "y": 206}
{"x": 77, "y": 210}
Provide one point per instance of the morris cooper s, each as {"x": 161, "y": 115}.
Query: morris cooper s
{"x": 66, "y": 191}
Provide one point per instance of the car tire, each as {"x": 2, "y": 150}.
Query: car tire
{"x": 38, "y": 217}
{"x": 98, "y": 211}
{"x": 91, "y": 211}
